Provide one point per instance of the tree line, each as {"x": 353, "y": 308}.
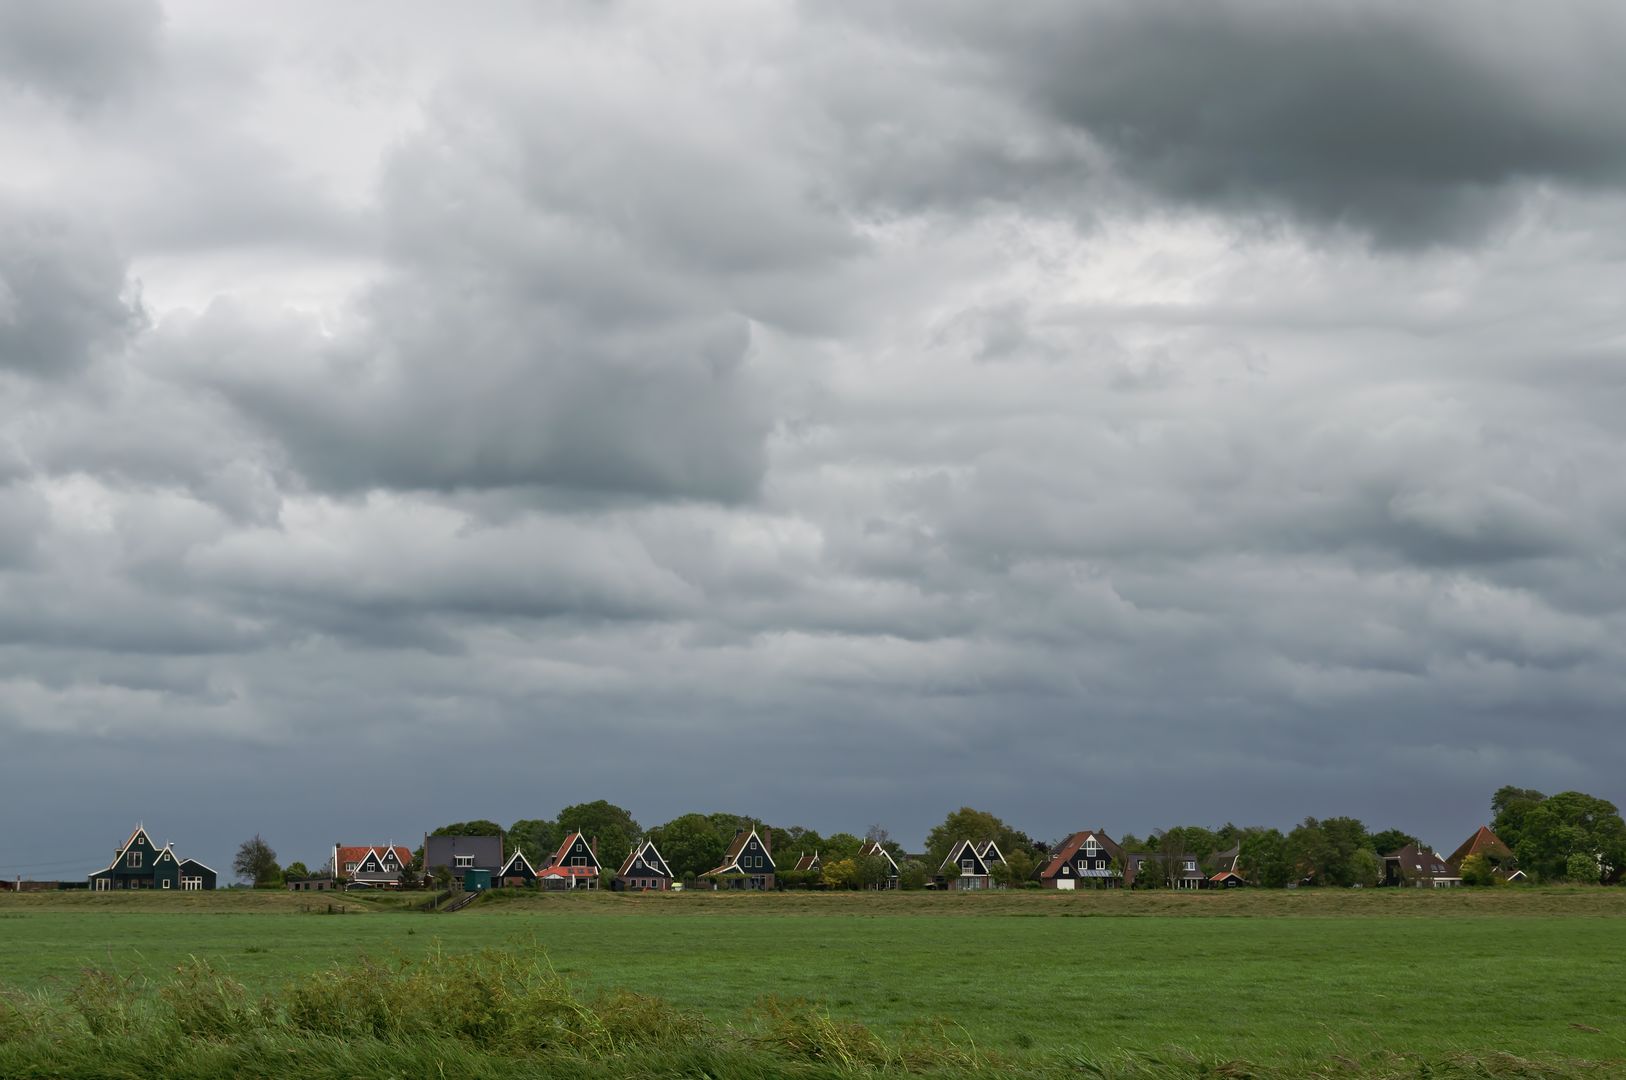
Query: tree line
{"x": 1570, "y": 836}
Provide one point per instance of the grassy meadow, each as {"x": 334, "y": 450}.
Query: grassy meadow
{"x": 1286, "y": 981}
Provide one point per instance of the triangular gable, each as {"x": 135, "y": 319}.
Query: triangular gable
{"x": 370, "y": 863}
{"x": 166, "y": 855}
{"x": 140, "y": 833}
{"x": 193, "y": 862}
{"x": 958, "y": 854}
{"x": 575, "y": 846}
{"x": 742, "y": 841}
{"x": 511, "y": 870}
{"x": 991, "y": 848}
{"x": 873, "y": 850}
{"x": 650, "y": 856}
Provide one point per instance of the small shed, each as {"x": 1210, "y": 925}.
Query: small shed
{"x": 475, "y": 880}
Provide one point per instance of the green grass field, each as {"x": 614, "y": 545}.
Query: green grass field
{"x": 1268, "y": 977}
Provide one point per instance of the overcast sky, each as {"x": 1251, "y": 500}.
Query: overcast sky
{"x": 1104, "y": 415}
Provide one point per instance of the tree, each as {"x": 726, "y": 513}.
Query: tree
{"x": 841, "y": 845}
{"x": 873, "y": 871}
{"x": 690, "y": 844}
{"x": 1477, "y": 870}
{"x": 840, "y": 874}
{"x": 611, "y": 825}
{"x": 1323, "y": 850}
{"x": 913, "y": 874}
{"x": 1022, "y": 863}
{"x": 1365, "y": 868}
{"x": 1571, "y": 823}
{"x": 975, "y": 825}
{"x": 295, "y": 871}
{"x": 1508, "y": 808}
{"x": 257, "y": 863}
{"x": 536, "y": 838}
{"x": 1263, "y": 859}
{"x": 412, "y": 872}
{"x": 1391, "y": 840}
{"x": 477, "y": 827}
{"x": 1582, "y": 869}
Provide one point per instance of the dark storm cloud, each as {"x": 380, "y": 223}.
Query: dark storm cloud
{"x": 79, "y": 51}
{"x": 1413, "y": 123}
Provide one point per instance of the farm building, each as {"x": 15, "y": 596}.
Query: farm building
{"x": 141, "y": 864}
{"x": 642, "y": 870}
{"x": 809, "y": 864}
{"x": 748, "y": 864}
{"x": 1084, "y": 860}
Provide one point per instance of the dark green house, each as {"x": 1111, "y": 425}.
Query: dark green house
{"x": 142, "y": 864}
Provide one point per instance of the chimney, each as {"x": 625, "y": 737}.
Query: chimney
{"x": 767, "y": 839}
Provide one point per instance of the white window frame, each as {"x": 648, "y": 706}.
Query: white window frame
{"x": 463, "y": 862}
{"x": 132, "y": 860}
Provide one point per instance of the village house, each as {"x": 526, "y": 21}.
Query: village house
{"x": 141, "y": 864}
{"x": 369, "y": 866}
{"x": 458, "y": 855}
{"x": 1084, "y": 860}
{"x": 809, "y": 864}
{"x": 1496, "y": 852}
{"x": 1420, "y": 868}
{"x": 748, "y": 863}
{"x": 1139, "y": 864}
{"x": 574, "y": 866}
{"x": 975, "y": 862}
{"x": 871, "y": 849}
{"x": 517, "y": 871}
{"x": 643, "y": 870}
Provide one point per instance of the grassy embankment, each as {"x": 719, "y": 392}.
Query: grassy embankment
{"x": 1354, "y": 984}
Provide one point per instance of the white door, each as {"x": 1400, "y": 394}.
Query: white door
{"x": 1065, "y": 884}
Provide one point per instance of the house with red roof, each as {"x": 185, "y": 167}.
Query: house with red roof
{"x": 369, "y": 866}
{"x": 574, "y": 866}
{"x": 1419, "y": 867}
{"x": 1494, "y": 849}
{"x": 748, "y": 863}
{"x": 1084, "y": 860}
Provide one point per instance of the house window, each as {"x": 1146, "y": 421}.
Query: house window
{"x": 1091, "y": 847}
{"x": 133, "y": 859}
{"x": 577, "y": 860}
{"x": 463, "y": 860}
{"x": 349, "y": 867}
{"x": 166, "y": 884}
{"x": 1083, "y": 865}
{"x": 1191, "y": 864}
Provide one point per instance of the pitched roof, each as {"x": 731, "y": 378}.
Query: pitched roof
{"x": 517, "y": 856}
{"x": 570, "y": 841}
{"x": 658, "y": 864}
{"x": 809, "y": 862}
{"x": 731, "y": 858}
{"x": 1069, "y": 849}
{"x": 355, "y": 853}
{"x": 1421, "y": 861}
{"x": 1482, "y": 842}
{"x": 871, "y": 849}
{"x": 980, "y": 853}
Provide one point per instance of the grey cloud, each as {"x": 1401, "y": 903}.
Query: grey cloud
{"x": 62, "y": 295}
{"x": 81, "y": 51}
{"x": 1415, "y": 125}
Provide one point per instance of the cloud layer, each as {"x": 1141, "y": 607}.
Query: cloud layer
{"x": 1207, "y": 413}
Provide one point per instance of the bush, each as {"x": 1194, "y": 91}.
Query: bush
{"x": 1582, "y": 869}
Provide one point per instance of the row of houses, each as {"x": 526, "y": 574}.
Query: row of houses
{"x": 1085, "y": 859}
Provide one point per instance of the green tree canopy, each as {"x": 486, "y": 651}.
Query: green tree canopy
{"x": 256, "y": 862}
{"x": 612, "y": 826}
{"x": 1324, "y": 850}
{"x": 1263, "y": 859}
{"x": 842, "y": 845}
{"x": 1571, "y": 823}
{"x": 691, "y": 844}
{"x": 912, "y": 874}
{"x": 478, "y": 827}
{"x": 1391, "y": 840}
{"x": 295, "y": 870}
{"x": 538, "y": 838}
{"x": 974, "y": 825}
{"x": 840, "y": 874}
{"x": 1508, "y": 807}
{"x": 1582, "y": 869}
{"x": 1477, "y": 870}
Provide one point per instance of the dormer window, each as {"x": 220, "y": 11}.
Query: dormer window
{"x": 349, "y": 867}
{"x": 462, "y": 861}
